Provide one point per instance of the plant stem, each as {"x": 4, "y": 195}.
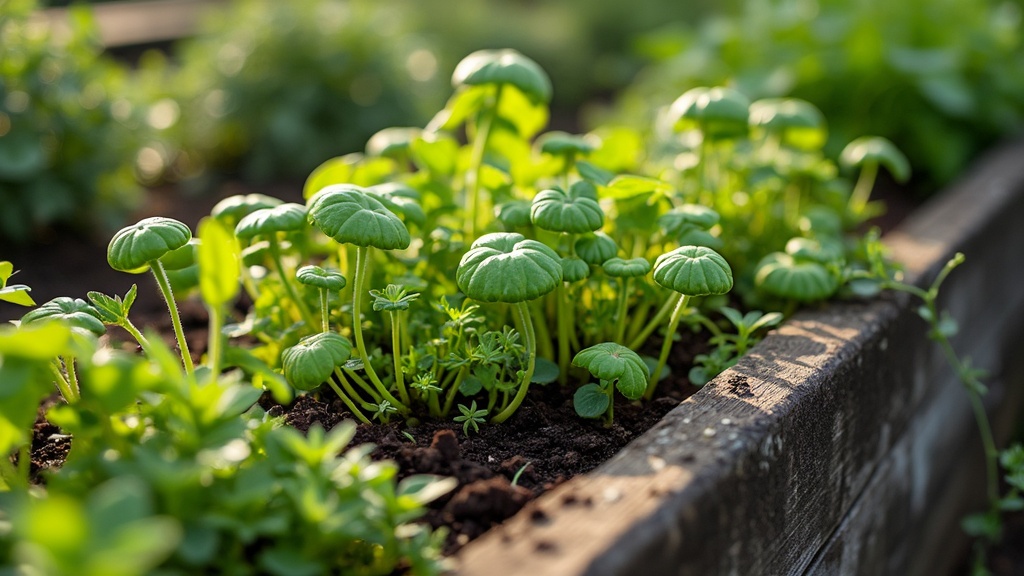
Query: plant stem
{"x": 344, "y": 397}
{"x": 450, "y": 398}
{"x": 563, "y": 332}
{"x": 476, "y": 165}
{"x": 530, "y": 340}
{"x": 673, "y": 323}
{"x": 324, "y": 318}
{"x": 213, "y": 354}
{"x": 172, "y": 307}
{"x": 620, "y": 315}
{"x": 637, "y": 342}
{"x": 275, "y": 257}
{"x": 62, "y": 383}
{"x": 362, "y": 253}
{"x": 546, "y": 349}
{"x": 131, "y": 329}
{"x": 69, "y": 366}
{"x": 862, "y": 190}
{"x": 396, "y": 355}
{"x": 362, "y": 384}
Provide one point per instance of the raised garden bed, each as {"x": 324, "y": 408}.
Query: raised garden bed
{"x": 841, "y": 444}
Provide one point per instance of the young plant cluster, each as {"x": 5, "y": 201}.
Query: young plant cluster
{"x": 176, "y": 468}
{"x": 448, "y": 268}
{"x": 438, "y": 275}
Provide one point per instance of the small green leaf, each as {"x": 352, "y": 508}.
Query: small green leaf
{"x": 219, "y": 268}
{"x": 544, "y": 372}
{"x": 590, "y": 401}
{"x": 594, "y": 174}
{"x": 629, "y": 185}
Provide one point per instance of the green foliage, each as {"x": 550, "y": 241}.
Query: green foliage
{"x": 275, "y": 88}
{"x": 938, "y": 79}
{"x": 69, "y": 129}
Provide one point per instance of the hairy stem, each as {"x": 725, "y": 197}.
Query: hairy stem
{"x": 172, "y": 307}
{"x": 362, "y": 256}
{"x": 673, "y": 323}
{"x": 396, "y": 356}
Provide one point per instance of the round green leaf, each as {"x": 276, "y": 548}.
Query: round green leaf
{"x": 693, "y": 271}
{"x": 134, "y": 247}
{"x": 392, "y": 142}
{"x": 400, "y": 199}
{"x": 798, "y": 122}
{"x": 74, "y": 312}
{"x": 596, "y": 248}
{"x": 682, "y": 219}
{"x": 348, "y": 214}
{"x": 590, "y": 401}
{"x": 621, "y": 268}
{"x": 506, "y": 267}
{"x": 544, "y": 372}
{"x": 310, "y": 363}
{"x": 574, "y": 269}
{"x": 559, "y": 143}
{"x": 783, "y": 275}
{"x": 557, "y": 211}
{"x": 816, "y": 250}
{"x": 718, "y": 112}
{"x": 614, "y": 362}
{"x": 876, "y": 150}
{"x": 219, "y": 269}
{"x": 234, "y": 208}
{"x": 311, "y": 275}
{"x": 514, "y": 214}
{"x": 288, "y": 217}
{"x": 503, "y": 67}
{"x": 180, "y": 258}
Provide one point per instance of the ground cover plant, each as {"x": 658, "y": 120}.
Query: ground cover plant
{"x": 443, "y": 275}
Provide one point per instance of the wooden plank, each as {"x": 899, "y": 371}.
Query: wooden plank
{"x": 760, "y": 471}
{"x": 133, "y": 23}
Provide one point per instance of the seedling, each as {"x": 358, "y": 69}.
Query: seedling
{"x": 471, "y": 417}
{"x": 13, "y": 293}
{"x": 617, "y": 367}
{"x": 137, "y": 248}
{"x": 325, "y": 281}
{"x": 868, "y": 153}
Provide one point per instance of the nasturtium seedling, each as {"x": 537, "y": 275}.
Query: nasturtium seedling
{"x": 559, "y": 211}
{"x": 326, "y": 281}
{"x": 506, "y": 267}
{"x": 393, "y": 142}
{"x": 790, "y": 121}
{"x": 625, "y": 271}
{"x": 688, "y": 271}
{"x": 615, "y": 365}
{"x": 349, "y": 215}
{"x": 233, "y": 208}
{"x": 267, "y": 223}
{"x": 574, "y": 269}
{"x": 311, "y": 362}
{"x": 802, "y": 280}
{"x": 868, "y": 153}
{"x": 499, "y": 67}
{"x": 514, "y": 214}
{"x": 139, "y": 247}
{"x": 596, "y": 248}
{"x": 716, "y": 112}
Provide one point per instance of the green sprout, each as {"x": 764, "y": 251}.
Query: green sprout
{"x": 471, "y": 417}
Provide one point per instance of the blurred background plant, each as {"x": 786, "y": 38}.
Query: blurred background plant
{"x": 68, "y": 128}
{"x": 264, "y": 91}
{"x": 939, "y": 78}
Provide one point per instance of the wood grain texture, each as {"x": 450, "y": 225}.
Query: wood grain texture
{"x": 841, "y": 444}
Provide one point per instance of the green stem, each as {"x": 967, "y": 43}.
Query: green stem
{"x": 563, "y": 319}
{"x": 396, "y": 355}
{"x": 862, "y": 190}
{"x": 344, "y": 397}
{"x": 364, "y": 385}
{"x": 69, "y": 366}
{"x": 530, "y": 340}
{"x": 640, "y": 338}
{"x": 131, "y": 329}
{"x": 673, "y": 323}
{"x": 620, "y": 315}
{"x": 450, "y": 398}
{"x": 362, "y": 254}
{"x": 275, "y": 257}
{"x": 476, "y": 165}
{"x": 172, "y": 307}
{"x": 545, "y": 348}
{"x": 62, "y": 383}
{"x": 324, "y": 317}
{"x": 213, "y": 354}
